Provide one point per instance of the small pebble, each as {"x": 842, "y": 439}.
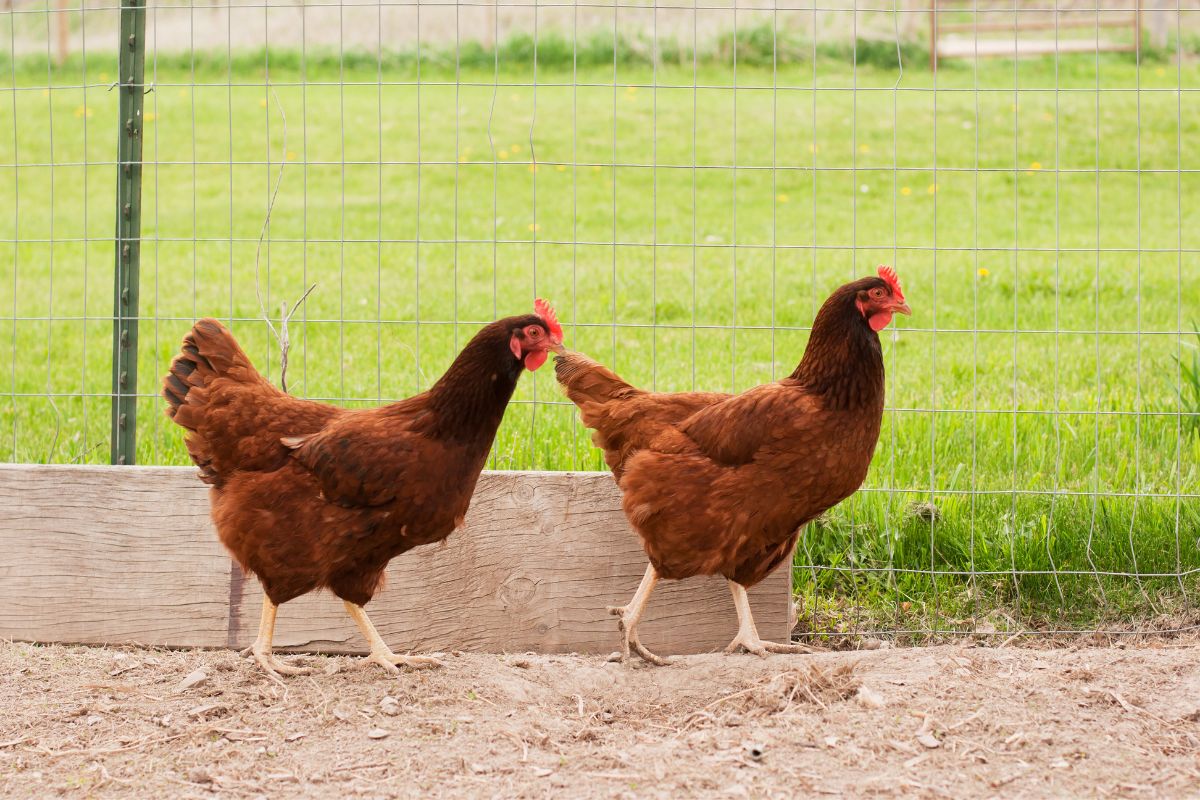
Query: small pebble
{"x": 927, "y": 739}
{"x": 869, "y": 698}
{"x": 195, "y": 679}
{"x": 199, "y": 775}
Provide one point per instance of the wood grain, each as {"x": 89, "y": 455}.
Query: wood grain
{"x": 128, "y": 554}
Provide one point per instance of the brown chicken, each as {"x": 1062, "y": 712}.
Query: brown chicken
{"x": 719, "y": 484}
{"x": 309, "y": 496}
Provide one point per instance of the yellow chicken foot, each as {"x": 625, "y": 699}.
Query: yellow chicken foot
{"x": 747, "y": 636}
{"x": 380, "y": 653}
{"x": 261, "y": 649}
{"x": 629, "y": 616}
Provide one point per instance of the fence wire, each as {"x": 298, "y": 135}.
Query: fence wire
{"x": 686, "y": 182}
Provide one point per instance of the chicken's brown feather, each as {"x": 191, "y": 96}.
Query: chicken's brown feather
{"x": 352, "y": 457}
{"x": 720, "y": 484}
{"x": 754, "y": 415}
{"x": 623, "y": 418}
{"x": 233, "y": 416}
{"x": 307, "y": 495}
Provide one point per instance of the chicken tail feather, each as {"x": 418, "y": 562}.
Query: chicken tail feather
{"x": 588, "y": 381}
{"x": 209, "y": 352}
{"x": 622, "y": 417}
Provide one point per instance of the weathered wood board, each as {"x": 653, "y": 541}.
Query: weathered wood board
{"x": 952, "y": 47}
{"x": 128, "y": 554}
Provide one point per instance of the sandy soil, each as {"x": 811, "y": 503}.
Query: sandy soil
{"x": 929, "y": 722}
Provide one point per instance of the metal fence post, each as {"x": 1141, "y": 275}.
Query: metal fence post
{"x": 132, "y": 48}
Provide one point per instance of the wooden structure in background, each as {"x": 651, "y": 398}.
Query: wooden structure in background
{"x": 62, "y": 25}
{"x": 999, "y": 29}
{"x": 127, "y": 554}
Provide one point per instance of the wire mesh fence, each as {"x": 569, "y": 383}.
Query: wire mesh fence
{"x": 686, "y": 182}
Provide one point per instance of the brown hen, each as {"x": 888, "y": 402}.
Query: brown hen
{"x": 719, "y": 484}
{"x": 309, "y": 496}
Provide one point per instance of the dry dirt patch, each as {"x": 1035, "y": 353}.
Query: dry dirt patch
{"x": 929, "y": 722}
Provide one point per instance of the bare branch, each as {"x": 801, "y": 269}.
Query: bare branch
{"x": 285, "y": 340}
{"x": 280, "y": 334}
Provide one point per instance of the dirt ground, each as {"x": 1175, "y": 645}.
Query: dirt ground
{"x": 946, "y": 721}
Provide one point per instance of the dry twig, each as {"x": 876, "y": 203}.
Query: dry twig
{"x": 281, "y": 335}
{"x": 92, "y": 752}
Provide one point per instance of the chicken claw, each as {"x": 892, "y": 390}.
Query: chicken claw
{"x": 761, "y": 648}
{"x": 392, "y": 662}
{"x": 629, "y": 616}
{"x": 630, "y": 640}
{"x": 271, "y": 663}
{"x": 261, "y": 649}
{"x": 747, "y": 636}
{"x": 380, "y": 653}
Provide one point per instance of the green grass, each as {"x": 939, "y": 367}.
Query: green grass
{"x": 1022, "y": 402}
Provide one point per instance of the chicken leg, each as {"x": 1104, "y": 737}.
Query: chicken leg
{"x": 381, "y": 654}
{"x": 630, "y": 615}
{"x": 747, "y": 636}
{"x": 262, "y": 645}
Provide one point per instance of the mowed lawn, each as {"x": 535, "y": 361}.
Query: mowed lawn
{"x": 1037, "y": 215}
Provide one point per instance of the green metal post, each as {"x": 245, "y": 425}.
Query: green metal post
{"x": 132, "y": 46}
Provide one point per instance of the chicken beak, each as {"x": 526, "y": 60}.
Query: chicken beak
{"x": 557, "y": 346}
{"x": 902, "y": 308}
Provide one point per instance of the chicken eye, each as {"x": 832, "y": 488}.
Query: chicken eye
{"x": 877, "y": 292}
{"x": 534, "y": 332}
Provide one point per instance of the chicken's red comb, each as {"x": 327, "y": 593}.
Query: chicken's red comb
{"x": 893, "y": 281}
{"x": 546, "y": 312}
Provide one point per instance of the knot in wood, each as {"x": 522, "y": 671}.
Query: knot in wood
{"x": 522, "y": 492}
{"x": 516, "y": 592}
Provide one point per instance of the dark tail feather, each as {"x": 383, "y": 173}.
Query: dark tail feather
{"x": 209, "y": 352}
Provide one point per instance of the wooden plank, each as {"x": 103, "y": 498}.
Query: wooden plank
{"x": 98, "y": 554}
{"x": 997, "y": 48}
{"x": 1037, "y": 25}
{"x": 1159, "y": 22}
{"x": 128, "y": 554}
